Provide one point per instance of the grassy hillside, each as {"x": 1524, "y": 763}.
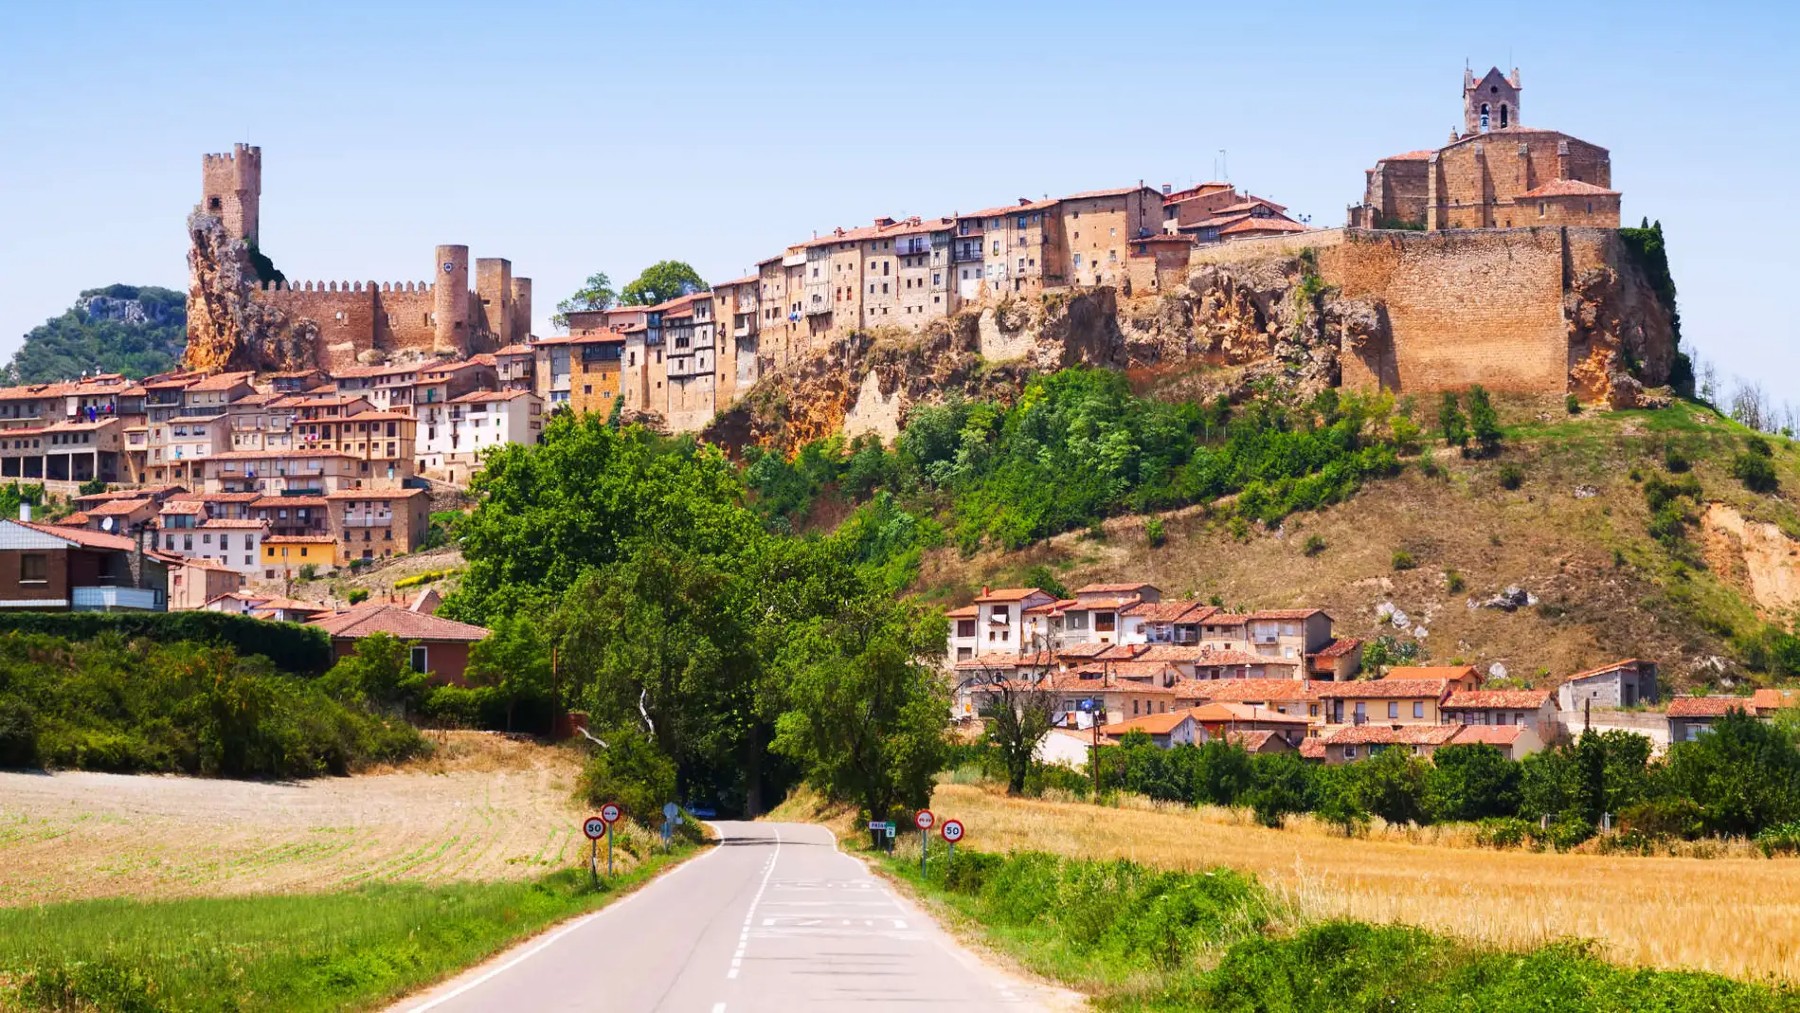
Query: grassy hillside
{"x": 117, "y": 329}
{"x": 1576, "y": 533}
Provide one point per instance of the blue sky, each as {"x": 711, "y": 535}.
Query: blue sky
{"x": 581, "y": 137}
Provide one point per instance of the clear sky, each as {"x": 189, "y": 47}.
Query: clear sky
{"x": 597, "y": 136}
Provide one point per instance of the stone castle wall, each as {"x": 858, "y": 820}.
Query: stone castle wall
{"x": 354, "y": 318}
{"x": 1514, "y": 310}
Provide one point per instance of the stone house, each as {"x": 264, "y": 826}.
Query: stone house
{"x": 438, "y": 646}
{"x": 1626, "y": 683}
{"x": 1098, "y": 228}
{"x": 1693, "y": 716}
{"x": 1530, "y": 708}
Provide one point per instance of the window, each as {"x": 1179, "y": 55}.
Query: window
{"x": 1418, "y": 708}
{"x": 1134, "y": 708}
{"x": 1078, "y": 260}
{"x": 419, "y": 659}
{"x": 1393, "y": 709}
{"x": 1349, "y": 752}
{"x": 34, "y": 568}
{"x": 965, "y": 627}
{"x": 1104, "y": 622}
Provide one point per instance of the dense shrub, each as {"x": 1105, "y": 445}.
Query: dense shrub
{"x": 632, "y": 771}
{"x": 1755, "y": 470}
{"x": 302, "y": 650}
{"x": 142, "y": 706}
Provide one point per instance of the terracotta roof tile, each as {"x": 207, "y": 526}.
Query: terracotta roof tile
{"x": 1487, "y": 735}
{"x": 1339, "y": 647}
{"x": 1568, "y": 188}
{"x": 1498, "y": 699}
{"x": 1008, "y": 594}
{"x": 1383, "y": 689}
{"x": 1707, "y": 706}
{"x": 1248, "y": 690}
{"x": 1385, "y": 735}
{"x": 366, "y": 620}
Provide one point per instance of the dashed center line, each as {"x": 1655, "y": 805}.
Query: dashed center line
{"x": 737, "y": 958}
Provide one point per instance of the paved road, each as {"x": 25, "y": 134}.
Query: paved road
{"x": 774, "y": 918}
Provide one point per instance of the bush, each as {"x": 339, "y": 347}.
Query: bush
{"x": 1675, "y": 460}
{"x": 1484, "y": 422}
{"x": 308, "y": 572}
{"x": 18, "y": 733}
{"x": 1511, "y": 476}
{"x": 1664, "y": 817}
{"x": 1573, "y": 404}
{"x": 1403, "y": 560}
{"x": 1313, "y": 545}
{"x": 1453, "y": 582}
{"x": 1781, "y": 839}
{"x": 1755, "y": 470}
{"x": 358, "y": 595}
{"x": 302, "y": 650}
{"x": 631, "y": 770}
{"x": 145, "y": 707}
{"x": 1153, "y": 532}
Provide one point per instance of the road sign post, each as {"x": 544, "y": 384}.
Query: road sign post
{"x": 595, "y": 828}
{"x": 923, "y": 819}
{"x": 671, "y": 816}
{"x": 610, "y": 813}
{"x": 952, "y": 832}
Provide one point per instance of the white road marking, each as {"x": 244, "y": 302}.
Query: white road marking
{"x": 718, "y": 1007}
{"x": 565, "y": 930}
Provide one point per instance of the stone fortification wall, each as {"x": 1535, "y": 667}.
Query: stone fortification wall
{"x": 1526, "y": 310}
{"x": 356, "y": 320}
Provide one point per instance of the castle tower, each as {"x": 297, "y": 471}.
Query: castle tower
{"x": 1491, "y": 103}
{"x": 521, "y": 304}
{"x": 450, "y": 300}
{"x": 493, "y": 286}
{"x": 231, "y": 188}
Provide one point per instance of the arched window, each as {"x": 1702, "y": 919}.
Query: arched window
{"x": 1503, "y": 114}
{"x": 1484, "y": 116}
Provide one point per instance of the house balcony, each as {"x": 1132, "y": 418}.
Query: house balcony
{"x": 369, "y": 520}
{"x": 117, "y": 599}
{"x": 965, "y": 255}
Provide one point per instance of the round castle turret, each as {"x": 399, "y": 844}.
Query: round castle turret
{"x": 450, "y": 300}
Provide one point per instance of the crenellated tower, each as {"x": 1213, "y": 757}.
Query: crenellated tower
{"x": 231, "y": 189}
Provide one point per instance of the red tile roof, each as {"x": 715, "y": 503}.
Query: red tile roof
{"x": 1251, "y": 742}
{"x": 366, "y": 620}
{"x": 1008, "y": 594}
{"x": 1604, "y": 669}
{"x": 1248, "y": 690}
{"x": 1339, "y": 647}
{"x": 1421, "y": 155}
{"x": 1216, "y": 712}
{"x": 83, "y": 537}
{"x": 1312, "y": 748}
{"x": 1432, "y": 672}
{"x": 1191, "y": 611}
{"x": 1385, "y": 735}
{"x": 1707, "y": 706}
{"x": 966, "y": 612}
{"x": 299, "y": 540}
{"x": 1487, "y": 735}
{"x": 1149, "y": 724}
{"x": 1568, "y": 188}
{"x": 1498, "y": 699}
{"x": 1263, "y": 225}
{"x": 1118, "y": 191}
{"x": 1383, "y": 689}
{"x": 1277, "y": 614}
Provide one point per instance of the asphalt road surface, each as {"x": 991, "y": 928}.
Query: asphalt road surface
{"x": 773, "y": 918}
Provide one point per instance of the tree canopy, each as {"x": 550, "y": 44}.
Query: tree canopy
{"x": 662, "y": 281}
{"x": 596, "y": 293}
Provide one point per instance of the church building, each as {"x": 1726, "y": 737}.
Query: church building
{"x": 1495, "y": 173}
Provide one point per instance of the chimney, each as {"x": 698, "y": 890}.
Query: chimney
{"x": 1167, "y": 189}
{"x": 984, "y": 587}
{"x": 25, "y": 510}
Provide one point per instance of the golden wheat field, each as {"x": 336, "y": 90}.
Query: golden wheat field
{"x": 1737, "y": 915}
{"x": 481, "y": 808}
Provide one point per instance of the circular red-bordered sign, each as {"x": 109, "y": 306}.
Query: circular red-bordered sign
{"x": 923, "y": 819}
{"x": 952, "y": 830}
{"x": 594, "y": 827}
{"x": 610, "y": 813}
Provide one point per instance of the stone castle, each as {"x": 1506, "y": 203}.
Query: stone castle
{"x": 243, "y": 315}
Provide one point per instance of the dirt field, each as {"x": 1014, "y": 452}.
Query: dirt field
{"x": 483, "y": 808}
{"x": 1738, "y": 916}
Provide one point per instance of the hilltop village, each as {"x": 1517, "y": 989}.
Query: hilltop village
{"x": 314, "y": 421}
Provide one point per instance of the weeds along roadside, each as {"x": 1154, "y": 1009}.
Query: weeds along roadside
{"x": 353, "y": 949}
{"x": 1138, "y": 938}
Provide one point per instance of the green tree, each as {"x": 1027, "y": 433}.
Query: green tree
{"x": 1281, "y": 785}
{"x": 1391, "y": 784}
{"x": 868, "y": 714}
{"x": 130, "y": 329}
{"x": 1471, "y": 783}
{"x": 515, "y": 661}
{"x": 1484, "y": 422}
{"x": 662, "y": 281}
{"x": 1222, "y": 773}
{"x": 1338, "y": 799}
{"x": 1452, "y": 422}
{"x": 630, "y": 770}
{"x": 1745, "y": 775}
{"x": 378, "y": 673}
{"x": 596, "y": 293}
{"x": 1019, "y": 714}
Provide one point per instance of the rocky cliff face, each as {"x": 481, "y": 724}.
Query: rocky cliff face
{"x": 1619, "y": 338}
{"x": 227, "y": 328}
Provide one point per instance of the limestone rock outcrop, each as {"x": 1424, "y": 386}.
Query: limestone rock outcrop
{"x": 227, "y": 328}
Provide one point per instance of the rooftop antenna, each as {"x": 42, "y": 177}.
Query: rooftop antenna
{"x": 1224, "y": 167}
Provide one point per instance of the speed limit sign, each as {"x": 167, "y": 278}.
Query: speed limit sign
{"x": 952, "y": 830}
{"x": 594, "y": 828}
{"x": 923, "y": 819}
{"x": 610, "y": 813}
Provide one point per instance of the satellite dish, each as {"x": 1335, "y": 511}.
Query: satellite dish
{"x": 107, "y": 524}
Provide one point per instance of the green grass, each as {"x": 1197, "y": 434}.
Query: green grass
{"x": 1142, "y": 939}
{"x": 354, "y": 949}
